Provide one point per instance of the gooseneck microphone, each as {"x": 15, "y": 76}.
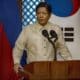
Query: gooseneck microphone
{"x": 53, "y": 35}
{"x": 45, "y": 33}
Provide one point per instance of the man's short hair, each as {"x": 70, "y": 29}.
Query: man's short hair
{"x": 46, "y": 5}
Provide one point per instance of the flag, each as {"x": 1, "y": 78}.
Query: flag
{"x": 10, "y": 17}
{"x": 66, "y": 13}
{"x": 6, "y": 61}
{"x": 10, "y": 27}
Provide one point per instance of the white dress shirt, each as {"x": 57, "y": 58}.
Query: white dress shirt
{"x": 38, "y": 47}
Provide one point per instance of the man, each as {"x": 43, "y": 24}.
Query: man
{"x": 38, "y": 47}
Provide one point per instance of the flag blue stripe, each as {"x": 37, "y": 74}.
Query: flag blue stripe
{"x": 9, "y": 16}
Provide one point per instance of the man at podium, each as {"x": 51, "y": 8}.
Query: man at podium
{"x": 42, "y": 39}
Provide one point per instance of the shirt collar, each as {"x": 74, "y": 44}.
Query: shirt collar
{"x": 40, "y": 27}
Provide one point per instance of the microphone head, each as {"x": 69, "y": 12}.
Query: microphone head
{"x": 45, "y": 33}
{"x": 53, "y": 34}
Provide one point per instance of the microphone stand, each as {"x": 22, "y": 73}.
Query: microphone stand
{"x": 55, "y": 56}
{"x": 45, "y": 34}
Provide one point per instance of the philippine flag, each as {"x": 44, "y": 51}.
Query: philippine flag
{"x": 10, "y": 27}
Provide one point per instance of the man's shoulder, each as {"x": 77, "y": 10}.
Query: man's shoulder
{"x": 30, "y": 26}
{"x": 53, "y": 25}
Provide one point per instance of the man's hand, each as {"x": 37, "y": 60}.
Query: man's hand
{"x": 17, "y": 67}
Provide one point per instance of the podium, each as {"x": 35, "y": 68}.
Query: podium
{"x": 52, "y": 70}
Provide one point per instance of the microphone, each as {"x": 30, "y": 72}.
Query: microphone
{"x": 45, "y": 33}
{"x": 53, "y": 35}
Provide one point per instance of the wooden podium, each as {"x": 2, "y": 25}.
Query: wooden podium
{"x": 55, "y": 70}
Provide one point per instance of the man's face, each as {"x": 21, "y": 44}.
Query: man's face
{"x": 42, "y": 15}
